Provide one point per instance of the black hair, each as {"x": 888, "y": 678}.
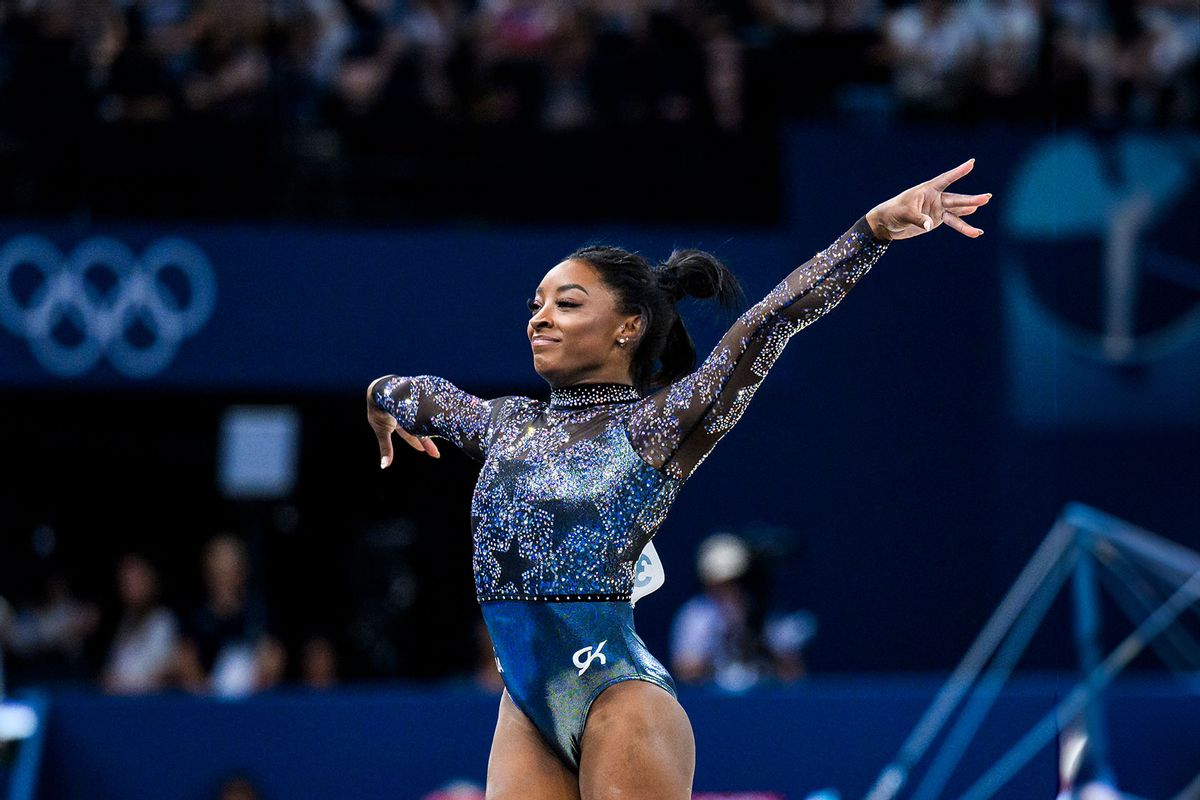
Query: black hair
{"x": 664, "y": 353}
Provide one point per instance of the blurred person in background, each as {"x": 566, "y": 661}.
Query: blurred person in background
{"x": 231, "y": 68}
{"x": 722, "y": 635}
{"x": 933, "y": 50}
{"x": 6, "y": 626}
{"x": 1010, "y": 36}
{"x": 238, "y": 787}
{"x": 319, "y": 663}
{"x": 1151, "y": 47}
{"x": 371, "y": 53}
{"x": 785, "y": 637}
{"x": 49, "y": 637}
{"x": 572, "y": 489}
{"x": 713, "y": 636}
{"x": 141, "y": 655}
{"x": 227, "y": 647}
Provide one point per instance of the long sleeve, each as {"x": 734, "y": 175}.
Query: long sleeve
{"x": 676, "y": 427}
{"x": 427, "y": 405}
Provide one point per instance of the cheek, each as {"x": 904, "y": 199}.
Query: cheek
{"x": 588, "y": 332}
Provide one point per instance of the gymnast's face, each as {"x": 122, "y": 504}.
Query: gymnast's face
{"x": 574, "y": 327}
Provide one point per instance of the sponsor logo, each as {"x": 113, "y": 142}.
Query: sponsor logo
{"x": 584, "y": 656}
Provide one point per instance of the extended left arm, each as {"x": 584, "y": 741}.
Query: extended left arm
{"x": 676, "y": 428}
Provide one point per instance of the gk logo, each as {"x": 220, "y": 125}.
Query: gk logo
{"x": 584, "y": 657}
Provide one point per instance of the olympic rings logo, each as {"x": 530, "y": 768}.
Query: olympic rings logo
{"x": 102, "y": 301}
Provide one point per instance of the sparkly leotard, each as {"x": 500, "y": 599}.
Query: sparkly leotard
{"x": 571, "y": 490}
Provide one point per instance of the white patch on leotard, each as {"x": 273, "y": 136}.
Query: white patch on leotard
{"x": 648, "y": 574}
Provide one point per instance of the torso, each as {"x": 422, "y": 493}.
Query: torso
{"x": 564, "y": 504}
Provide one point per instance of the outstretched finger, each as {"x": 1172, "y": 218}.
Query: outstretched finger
{"x": 421, "y": 443}
{"x": 430, "y": 447}
{"x": 385, "y": 447}
{"x": 950, "y": 176}
{"x": 411, "y": 439}
{"x": 960, "y": 226}
{"x": 952, "y": 200}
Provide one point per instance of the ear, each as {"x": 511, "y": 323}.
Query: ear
{"x": 632, "y": 326}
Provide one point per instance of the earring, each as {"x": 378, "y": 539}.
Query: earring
{"x": 622, "y": 341}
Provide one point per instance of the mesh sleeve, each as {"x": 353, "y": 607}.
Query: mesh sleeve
{"x": 427, "y": 405}
{"x": 676, "y": 427}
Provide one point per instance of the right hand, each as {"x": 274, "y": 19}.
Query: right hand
{"x": 384, "y": 425}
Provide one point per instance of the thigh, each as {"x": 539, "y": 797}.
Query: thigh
{"x": 521, "y": 765}
{"x": 637, "y": 744}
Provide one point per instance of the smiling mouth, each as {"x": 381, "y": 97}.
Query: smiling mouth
{"x": 540, "y": 341}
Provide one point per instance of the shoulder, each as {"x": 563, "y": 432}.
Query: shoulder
{"x": 513, "y": 409}
{"x": 515, "y": 403}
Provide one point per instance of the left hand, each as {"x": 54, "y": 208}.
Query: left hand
{"x": 927, "y": 205}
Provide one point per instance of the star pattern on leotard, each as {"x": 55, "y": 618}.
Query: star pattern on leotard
{"x": 512, "y": 564}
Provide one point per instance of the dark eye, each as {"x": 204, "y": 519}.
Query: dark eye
{"x": 532, "y": 306}
{"x": 567, "y": 304}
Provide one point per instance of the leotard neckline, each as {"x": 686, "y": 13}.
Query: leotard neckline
{"x": 582, "y": 395}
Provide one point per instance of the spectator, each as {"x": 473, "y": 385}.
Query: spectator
{"x": 231, "y": 68}
{"x": 50, "y": 636}
{"x": 1010, "y": 34}
{"x": 319, "y": 663}
{"x": 135, "y": 82}
{"x": 140, "y": 656}
{"x": 228, "y": 648}
{"x": 238, "y": 787}
{"x": 514, "y": 43}
{"x": 6, "y": 627}
{"x": 369, "y": 62}
{"x": 721, "y": 635}
{"x": 1155, "y": 46}
{"x": 712, "y": 637}
{"x": 785, "y": 637}
{"x": 933, "y": 49}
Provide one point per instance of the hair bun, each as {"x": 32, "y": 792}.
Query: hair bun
{"x": 668, "y": 281}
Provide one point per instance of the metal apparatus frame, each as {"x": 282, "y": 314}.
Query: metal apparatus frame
{"x": 1152, "y": 579}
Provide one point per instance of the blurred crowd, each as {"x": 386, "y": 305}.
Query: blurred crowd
{"x": 230, "y": 642}
{"x": 225, "y": 644}
{"x": 338, "y": 65}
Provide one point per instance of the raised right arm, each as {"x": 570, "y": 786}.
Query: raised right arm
{"x": 426, "y": 405}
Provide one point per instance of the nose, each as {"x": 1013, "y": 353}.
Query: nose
{"x": 539, "y": 320}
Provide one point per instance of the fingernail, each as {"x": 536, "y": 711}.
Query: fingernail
{"x": 383, "y": 463}
{"x": 927, "y": 225}
{"x": 989, "y": 194}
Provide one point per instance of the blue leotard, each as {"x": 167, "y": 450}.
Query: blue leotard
{"x": 572, "y": 488}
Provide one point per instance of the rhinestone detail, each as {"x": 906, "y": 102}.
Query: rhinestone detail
{"x": 582, "y": 395}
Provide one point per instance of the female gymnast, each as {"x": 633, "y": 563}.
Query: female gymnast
{"x": 571, "y": 489}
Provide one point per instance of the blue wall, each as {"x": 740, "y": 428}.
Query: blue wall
{"x": 397, "y": 744}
